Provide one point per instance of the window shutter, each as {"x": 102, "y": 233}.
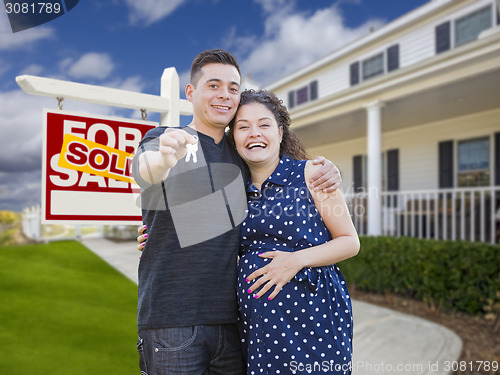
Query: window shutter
{"x": 357, "y": 165}
{"x": 291, "y": 99}
{"x": 443, "y": 39}
{"x": 393, "y": 58}
{"x": 313, "y": 90}
{"x": 497, "y": 159}
{"x": 446, "y": 164}
{"x": 393, "y": 170}
{"x": 354, "y": 73}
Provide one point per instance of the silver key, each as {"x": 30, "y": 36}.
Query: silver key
{"x": 191, "y": 151}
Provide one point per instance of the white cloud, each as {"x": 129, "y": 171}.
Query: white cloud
{"x": 90, "y": 65}
{"x": 33, "y": 69}
{"x": 21, "y": 130}
{"x": 293, "y": 39}
{"x": 148, "y": 12}
{"x": 135, "y": 83}
{"x": 20, "y": 40}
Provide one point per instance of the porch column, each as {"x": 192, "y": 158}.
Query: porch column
{"x": 374, "y": 166}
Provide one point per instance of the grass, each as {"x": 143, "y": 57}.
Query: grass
{"x": 65, "y": 311}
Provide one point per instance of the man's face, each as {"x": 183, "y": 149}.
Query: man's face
{"x": 216, "y": 95}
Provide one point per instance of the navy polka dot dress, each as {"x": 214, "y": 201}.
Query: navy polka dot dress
{"x": 307, "y": 328}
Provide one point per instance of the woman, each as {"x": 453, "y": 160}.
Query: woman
{"x": 295, "y": 309}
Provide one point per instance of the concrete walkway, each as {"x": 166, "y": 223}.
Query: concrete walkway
{"x": 385, "y": 341}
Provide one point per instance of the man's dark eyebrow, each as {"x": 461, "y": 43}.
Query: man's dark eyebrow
{"x": 220, "y": 81}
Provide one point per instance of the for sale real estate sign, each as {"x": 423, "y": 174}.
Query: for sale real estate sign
{"x": 86, "y": 173}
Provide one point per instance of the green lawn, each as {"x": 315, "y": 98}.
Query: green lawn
{"x": 65, "y": 311}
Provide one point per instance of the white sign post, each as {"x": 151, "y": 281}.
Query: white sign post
{"x": 86, "y": 158}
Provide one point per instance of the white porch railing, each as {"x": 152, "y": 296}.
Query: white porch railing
{"x": 471, "y": 214}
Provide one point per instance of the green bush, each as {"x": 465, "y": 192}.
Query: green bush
{"x": 7, "y": 237}
{"x": 454, "y": 275}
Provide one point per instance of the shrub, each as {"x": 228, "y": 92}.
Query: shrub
{"x": 7, "y": 237}
{"x": 455, "y": 275}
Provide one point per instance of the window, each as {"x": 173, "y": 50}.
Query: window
{"x": 474, "y": 162}
{"x": 373, "y": 66}
{"x": 383, "y": 62}
{"x": 465, "y": 29}
{"x": 303, "y": 95}
{"x": 469, "y": 27}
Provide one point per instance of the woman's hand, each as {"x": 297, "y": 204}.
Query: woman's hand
{"x": 142, "y": 237}
{"x": 282, "y": 268}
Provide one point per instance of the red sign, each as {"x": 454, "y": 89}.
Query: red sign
{"x": 86, "y": 168}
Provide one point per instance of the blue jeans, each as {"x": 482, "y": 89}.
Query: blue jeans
{"x": 195, "y": 350}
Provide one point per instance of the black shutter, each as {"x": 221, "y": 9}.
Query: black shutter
{"x": 497, "y": 159}
{"x": 291, "y": 99}
{"x": 354, "y": 73}
{"x": 446, "y": 164}
{"x": 392, "y": 176}
{"x": 357, "y": 172}
{"x": 393, "y": 170}
{"x": 313, "y": 90}
{"x": 443, "y": 40}
{"x": 393, "y": 58}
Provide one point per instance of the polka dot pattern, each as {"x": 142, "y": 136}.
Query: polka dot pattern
{"x": 310, "y": 322}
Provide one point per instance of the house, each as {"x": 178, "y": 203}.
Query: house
{"x": 410, "y": 113}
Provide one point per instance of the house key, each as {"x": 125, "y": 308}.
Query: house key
{"x": 191, "y": 151}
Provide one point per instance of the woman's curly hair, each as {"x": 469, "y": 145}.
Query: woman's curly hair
{"x": 290, "y": 144}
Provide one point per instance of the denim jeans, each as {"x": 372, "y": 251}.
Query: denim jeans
{"x": 195, "y": 350}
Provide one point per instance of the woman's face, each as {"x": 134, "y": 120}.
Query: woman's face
{"x": 256, "y": 134}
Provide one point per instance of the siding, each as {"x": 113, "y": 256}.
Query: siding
{"x": 418, "y": 148}
{"x": 416, "y": 44}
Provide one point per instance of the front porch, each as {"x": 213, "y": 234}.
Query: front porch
{"x": 471, "y": 214}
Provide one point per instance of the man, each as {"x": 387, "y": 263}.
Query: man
{"x": 193, "y": 200}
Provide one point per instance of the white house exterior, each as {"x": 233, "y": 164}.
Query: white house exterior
{"x": 410, "y": 113}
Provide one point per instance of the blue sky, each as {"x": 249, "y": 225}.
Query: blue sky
{"x": 127, "y": 43}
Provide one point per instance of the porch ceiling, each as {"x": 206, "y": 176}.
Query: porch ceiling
{"x": 469, "y": 95}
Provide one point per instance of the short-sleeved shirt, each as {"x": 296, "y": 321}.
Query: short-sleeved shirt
{"x": 187, "y": 272}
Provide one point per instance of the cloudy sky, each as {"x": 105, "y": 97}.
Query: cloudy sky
{"x": 127, "y": 43}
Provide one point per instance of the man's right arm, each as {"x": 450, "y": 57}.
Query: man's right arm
{"x": 155, "y": 165}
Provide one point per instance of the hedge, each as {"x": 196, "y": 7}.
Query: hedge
{"x": 454, "y": 275}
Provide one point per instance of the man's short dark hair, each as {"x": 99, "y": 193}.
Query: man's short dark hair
{"x": 211, "y": 56}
